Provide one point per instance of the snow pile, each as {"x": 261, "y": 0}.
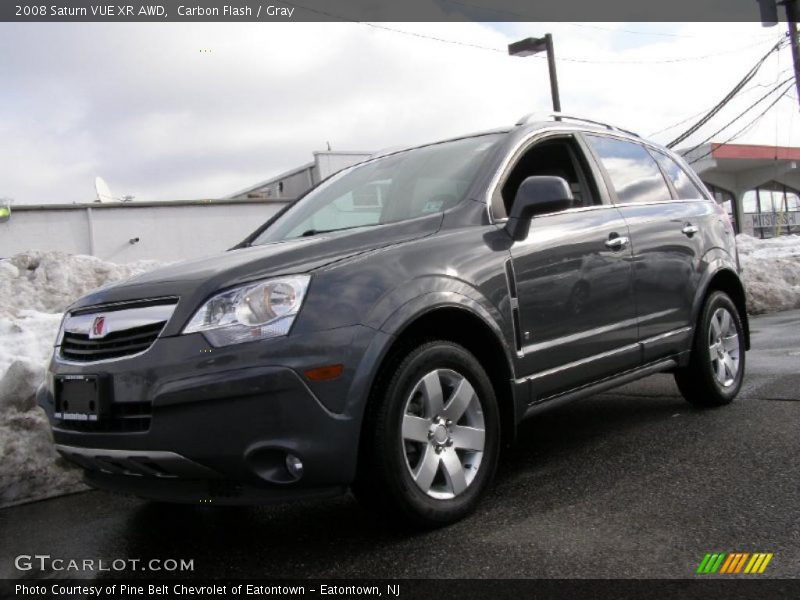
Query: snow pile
{"x": 35, "y": 287}
{"x": 50, "y": 281}
{"x": 771, "y": 272}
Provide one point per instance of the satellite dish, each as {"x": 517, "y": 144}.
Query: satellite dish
{"x": 103, "y": 191}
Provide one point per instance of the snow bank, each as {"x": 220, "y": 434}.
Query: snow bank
{"x": 771, "y": 272}
{"x": 50, "y": 281}
{"x": 35, "y": 287}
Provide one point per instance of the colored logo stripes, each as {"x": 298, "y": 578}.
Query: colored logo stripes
{"x": 734, "y": 563}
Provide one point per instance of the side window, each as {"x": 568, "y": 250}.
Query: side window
{"x": 685, "y": 187}
{"x": 634, "y": 174}
{"x": 551, "y": 157}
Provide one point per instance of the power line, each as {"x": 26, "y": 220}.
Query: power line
{"x": 591, "y": 61}
{"x": 527, "y": 18}
{"x": 753, "y": 87}
{"x": 660, "y": 61}
{"x": 744, "y": 129}
{"x": 735, "y": 90}
{"x": 504, "y": 51}
{"x": 431, "y": 37}
{"x": 741, "y": 114}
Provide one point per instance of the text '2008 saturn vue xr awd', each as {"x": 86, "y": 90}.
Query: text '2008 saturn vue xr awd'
{"x": 388, "y": 331}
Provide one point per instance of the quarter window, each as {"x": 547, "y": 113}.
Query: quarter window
{"x": 686, "y": 189}
{"x": 634, "y": 174}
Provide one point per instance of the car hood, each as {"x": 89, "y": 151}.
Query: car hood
{"x": 195, "y": 280}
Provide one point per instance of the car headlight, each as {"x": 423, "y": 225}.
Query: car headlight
{"x": 255, "y": 311}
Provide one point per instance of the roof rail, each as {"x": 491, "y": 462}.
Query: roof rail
{"x": 556, "y": 116}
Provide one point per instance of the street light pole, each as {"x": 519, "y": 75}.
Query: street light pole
{"x": 551, "y": 65}
{"x": 531, "y": 46}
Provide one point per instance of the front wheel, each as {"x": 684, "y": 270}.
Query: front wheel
{"x": 431, "y": 436}
{"x": 715, "y": 371}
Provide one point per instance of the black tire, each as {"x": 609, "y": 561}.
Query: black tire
{"x": 385, "y": 482}
{"x": 699, "y": 382}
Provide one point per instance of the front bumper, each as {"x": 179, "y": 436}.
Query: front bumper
{"x": 216, "y": 424}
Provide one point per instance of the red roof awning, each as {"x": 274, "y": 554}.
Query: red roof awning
{"x": 753, "y": 152}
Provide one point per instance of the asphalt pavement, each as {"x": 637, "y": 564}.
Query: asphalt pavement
{"x": 630, "y": 483}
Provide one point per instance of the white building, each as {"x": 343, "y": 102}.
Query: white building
{"x": 124, "y": 232}
{"x": 164, "y": 230}
{"x": 294, "y": 183}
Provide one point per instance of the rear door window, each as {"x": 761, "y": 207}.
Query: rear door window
{"x": 633, "y": 173}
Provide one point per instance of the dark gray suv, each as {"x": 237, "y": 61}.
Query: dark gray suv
{"x": 389, "y": 330}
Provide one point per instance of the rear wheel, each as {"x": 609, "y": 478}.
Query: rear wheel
{"x": 431, "y": 437}
{"x": 715, "y": 371}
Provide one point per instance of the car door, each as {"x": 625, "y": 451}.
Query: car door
{"x": 666, "y": 238}
{"x": 573, "y": 279}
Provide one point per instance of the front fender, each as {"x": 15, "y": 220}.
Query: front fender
{"x": 405, "y": 303}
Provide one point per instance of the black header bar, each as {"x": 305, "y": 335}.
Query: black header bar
{"x": 382, "y": 10}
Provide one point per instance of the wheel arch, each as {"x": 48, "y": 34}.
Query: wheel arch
{"x": 724, "y": 279}
{"x": 464, "y": 322}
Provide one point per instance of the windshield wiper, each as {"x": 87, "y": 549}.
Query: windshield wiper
{"x": 310, "y": 232}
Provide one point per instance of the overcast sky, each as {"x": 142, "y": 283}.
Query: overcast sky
{"x": 142, "y": 106}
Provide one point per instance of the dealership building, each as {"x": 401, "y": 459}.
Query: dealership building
{"x": 758, "y": 185}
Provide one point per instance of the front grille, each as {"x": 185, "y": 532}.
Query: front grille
{"x": 124, "y": 417}
{"x": 78, "y": 347}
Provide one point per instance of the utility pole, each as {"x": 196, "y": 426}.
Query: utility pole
{"x": 769, "y": 18}
{"x": 530, "y": 46}
{"x": 791, "y": 19}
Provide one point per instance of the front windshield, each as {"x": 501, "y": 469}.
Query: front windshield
{"x": 397, "y": 187}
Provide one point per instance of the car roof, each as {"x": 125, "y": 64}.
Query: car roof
{"x": 527, "y": 126}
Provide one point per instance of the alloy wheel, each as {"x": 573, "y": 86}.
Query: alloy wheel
{"x": 443, "y": 434}
{"x": 723, "y": 347}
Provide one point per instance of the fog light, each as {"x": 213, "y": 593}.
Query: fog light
{"x": 294, "y": 465}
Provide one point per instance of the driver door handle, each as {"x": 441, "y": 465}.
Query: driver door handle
{"x": 617, "y": 243}
{"x": 689, "y": 229}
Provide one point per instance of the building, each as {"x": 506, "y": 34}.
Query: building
{"x": 128, "y": 231}
{"x": 294, "y": 183}
{"x": 759, "y": 185}
{"x": 164, "y": 230}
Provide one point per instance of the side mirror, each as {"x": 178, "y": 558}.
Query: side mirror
{"x": 536, "y": 195}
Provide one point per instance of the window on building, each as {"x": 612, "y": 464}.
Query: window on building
{"x": 634, "y": 174}
{"x": 770, "y": 210}
{"x": 749, "y": 202}
{"x": 792, "y": 201}
{"x": 683, "y": 185}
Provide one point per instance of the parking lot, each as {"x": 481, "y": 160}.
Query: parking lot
{"x": 630, "y": 483}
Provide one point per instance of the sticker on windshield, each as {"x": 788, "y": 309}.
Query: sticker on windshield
{"x": 433, "y": 206}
